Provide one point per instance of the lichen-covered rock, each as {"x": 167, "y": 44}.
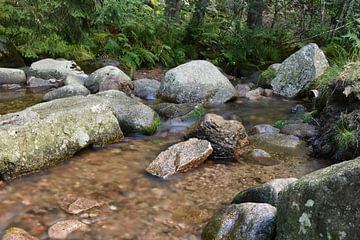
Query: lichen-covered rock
{"x": 133, "y": 116}
{"x": 298, "y": 70}
{"x": 12, "y": 76}
{"x": 180, "y": 157}
{"x": 146, "y": 88}
{"x": 48, "y": 133}
{"x": 322, "y": 205}
{"x": 196, "y": 81}
{"x": 227, "y": 137}
{"x": 246, "y": 221}
{"x": 17, "y": 234}
{"x": 266, "y": 193}
{"x": 66, "y": 91}
{"x": 301, "y": 130}
{"x": 9, "y": 57}
{"x": 53, "y": 68}
{"x": 109, "y": 78}
{"x": 276, "y": 139}
{"x": 62, "y": 229}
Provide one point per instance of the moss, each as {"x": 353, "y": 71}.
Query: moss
{"x": 150, "y": 130}
{"x": 198, "y": 112}
{"x": 281, "y": 123}
{"x": 266, "y": 77}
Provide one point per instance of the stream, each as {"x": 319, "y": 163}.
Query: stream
{"x": 133, "y": 204}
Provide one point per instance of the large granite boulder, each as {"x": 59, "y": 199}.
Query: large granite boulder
{"x": 196, "y": 81}
{"x": 48, "y": 133}
{"x": 227, "y": 137}
{"x": 322, "y": 205}
{"x": 180, "y": 157}
{"x": 298, "y": 70}
{"x": 66, "y": 91}
{"x": 9, "y": 57}
{"x": 12, "y": 76}
{"x": 146, "y": 88}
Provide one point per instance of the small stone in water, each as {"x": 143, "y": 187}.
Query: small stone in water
{"x": 62, "y": 229}
{"x": 81, "y": 205}
{"x": 17, "y": 234}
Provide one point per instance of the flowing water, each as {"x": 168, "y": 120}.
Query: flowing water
{"x": 134, "y": 205}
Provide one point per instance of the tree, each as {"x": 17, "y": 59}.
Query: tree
{"x": 255, "y": 13}
{"x": 172, "y": 9}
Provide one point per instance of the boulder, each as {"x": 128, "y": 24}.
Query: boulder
{"x": 48, "y": 133}
{"x": 133, "y": 116}
{"x": 146, "y": 88}
{"x": 298, "y": 70}
{"x": 62, "y": 229}
{"x": 196, "y": 81}
{"x": 263, "y": 128}
{"x": 109, "y": 78}
{"x": 276, "y": 139}
{"x": 66, "y": 91}
{"x": 301, "y": 130}
{"x": 227, "y": 137}
{"x": 9, "y": 57}
{"x": 53, "y": 69}
{"x": 34, "y": 82}
{"x": 266, "y": 193}
{"x": 76, "y": 79}
{"x": 246, "y": 221}
{"x": 12, "y": 76}
{"x": 17, "y": 234}
{"x": 322, "y": 205}
{"x": 180, "y": 157}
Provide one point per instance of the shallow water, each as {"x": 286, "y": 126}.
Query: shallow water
{"x": 135, "y": 205}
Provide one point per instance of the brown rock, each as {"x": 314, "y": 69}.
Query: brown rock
{"x": 62, "y": 229}
{"x": 268, "y": 92}
{"x": 17, "y": 234}
{"x": 79, "y": 205}
{"x": 117, "y": 83}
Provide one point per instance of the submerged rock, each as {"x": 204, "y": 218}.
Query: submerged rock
{"x": 48, "y": 133}
{"x": 322, "y": 205}
{"x": 146, "y": 88}
{"x": 17, "y": 234}
{"x": 227, "y": 137}
{"x": 263, "y": 128}
{"x": 302, "y": 130}
{"x": 12, "y": 76}
{"x": 79, "y": 205}
{"x": 246, "y": 221}
{"x": 277, "y": 139}
{"x": 62, "y": 229}
{"x": 196, "y": 81}
{"x": 34, "y": 82}
{"x": 66, "y": 91}
{"x": 180, "y": 157}
{"x": 261, "y": 157}
{"x": 9, "y": 57}
{"x": 298, "y": 70}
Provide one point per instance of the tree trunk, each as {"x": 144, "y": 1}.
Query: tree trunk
{"x": 255, "y": 13}
{"x": 199, "y": 14}
{"x": 172, "y": 9}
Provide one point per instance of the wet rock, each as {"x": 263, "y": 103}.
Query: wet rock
{"x": 62, "y": 229}
{"x": 196, "y": 81}
{"x": 34, "y": 82}
{"x": 53, "y": 69}
{"x": 11, "y": 86}
{"x": 322, "y": 205}
{"x": 277, "y": 139}
{"x": 80, "y": 205}
{"x": 227, "y": 137}
{"x": 133, "y": 116}
{"x": 109, "y": 78}
{"x": 76, "y": 79}
{"x": 146, "y": 88}
{"x": 256, "y": 94}
{"x": 263, "y": 128}
{"x": 242, "y": 89}
{"x": 248, "y": 221}
{"x": 266, "y": 193}
{"x": 301, "y": 130}
{"x": 17, "y": 234}
{"x": 181, "y": 110}
{"x": 12, "y": 76}
{"x": 66, "y": 91}
{"x": 259, "y": 156}
{"x": 298, "y": 108}
{"x": 9, "y": 56}
{"x": 48, "y": 133}
{"x": 180, "y": 157}
{"x": 298, "y": 70}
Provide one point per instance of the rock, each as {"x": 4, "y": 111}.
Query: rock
{"x": 301, "y": 130}
{"x": 266, "y": 193}
{"x": 298, "y": 70}
{"x": 180, "y": 157}
{"x": 242, "y": 89}
{"x": 255, "y": 94}
{"x": 81, "y": 205}
{"x": 76, "y": 79}
{"x": 196, "y": 81}
{"x": 11, "y": 86}
{"x": 277, "y": 139}
{"x": 17, "y": 234}
{"x": 298, "y": 108}
{"x": 259, "y": 156}
{"x": 66, "y": 91}
{"x": 227, "y": 137}
{"x": 109, "y": 78}
{"x": 268, "y": 75}
{"x": 268, "y": 92}
{"x": 9, "y": 56}
{"x": 322, "y": 205}
{"x": 246, "y": 221}
{"x": 12, "y": 76}
{"x": 53, "y": 69}
{"x": 146, "y": 88}
{"x": 48, "y": 133}
{"x": 133, "y": 116}
{"x": 263, "y": 128}
{"x": 34, "y": 82}
{"x": 180, "y": 110}
{"x": 62, "y": 229}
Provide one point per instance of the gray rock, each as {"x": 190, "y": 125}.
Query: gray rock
{"x": 263, "y": 128}
{"x": 261, "y": 157}
{"x": 49, "y": 133}
{"x": 242, "y": 89}
{"x": 301, "y": 130}
{"x": 146, "y": 88}
{"x": 9, "y": 57}
{"x": 66, "y": 91}
{"x": 180, "y": 157}
{"x": 12, "y": 76}
{"x": 322, "y": 205}
{"x": 298, "y": 108}
{"x": 277, "y": 139}
{"x": 17, "y": 234}
{"x": 246, "y": 221}
{"x": 298, "y": 70}
{"x": 133, "y": 116}
{"x": 76, "y": 79}
{"x": 53, "y": 69}
{"x": 196, "y": 81}
{"x": 266, "y": 193}
{"x": 227, "y": 137}
{"x": 62, "y": 229}
{"x": 179, "y": 110}
{"x": 11, "y": 86}
{"x": 34, "y": 82}
{"x": 109, "y": 78}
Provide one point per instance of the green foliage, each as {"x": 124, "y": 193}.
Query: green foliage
{"x": 347, "y": 135}
{"x": 309, "y": 117}
{"x": 281, "y": 123}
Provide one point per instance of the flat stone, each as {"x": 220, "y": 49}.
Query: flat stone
{"x": 301, "y": 130}
{"x": 62, "y": 229}
{"x": 279, "y": 140}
